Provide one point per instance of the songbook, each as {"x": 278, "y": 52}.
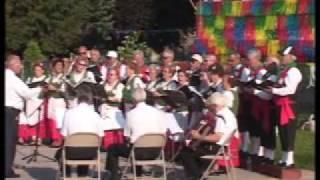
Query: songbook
{"x": 175, "y": 98}
{"x": 37, "y": 84}
{"x": 72, "y": 89}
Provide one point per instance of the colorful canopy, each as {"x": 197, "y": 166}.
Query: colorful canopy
{"x": 234, "y": 25}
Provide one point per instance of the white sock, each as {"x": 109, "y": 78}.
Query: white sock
{"x": 290, "y": 158}
{"x": 257, "y": 145}
{"x": 261, "y": 151}
{"x": 284, "y": 156}
{"x": 252, "y": 144}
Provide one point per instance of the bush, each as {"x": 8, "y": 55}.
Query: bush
{"x": 130, "y": 44}
{"x": 31, "y": 55}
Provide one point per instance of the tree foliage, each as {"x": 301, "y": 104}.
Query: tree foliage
{"x": 33, "y": 52}
{"x": 31, "y": 55}
{"x": 134, "y": 15}
{"x": 57, "y": 25}
{"x": 132, "y": 43}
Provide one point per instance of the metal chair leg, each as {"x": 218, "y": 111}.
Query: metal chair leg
{"x": 207, "y": 171}
{"x": 164, "y": 166}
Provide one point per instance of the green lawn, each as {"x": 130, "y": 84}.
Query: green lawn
{"x": 304, "y": 150}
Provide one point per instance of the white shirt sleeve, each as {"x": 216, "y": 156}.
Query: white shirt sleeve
{"x": 24, "y": 91}
{"x": 260, "y": 75}
{"x": 64, "y": 129}
{"x": 245, "y": 75}
{"x": 127, "y": 126}
{"x": 292, "y": 81}
{"x": 100, "y": 130}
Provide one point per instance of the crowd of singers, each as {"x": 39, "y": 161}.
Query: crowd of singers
{"x": 264, "y": 87}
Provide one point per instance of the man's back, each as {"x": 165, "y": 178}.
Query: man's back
{"x": 144, "y": 119}
{"x": 82, "y": 118}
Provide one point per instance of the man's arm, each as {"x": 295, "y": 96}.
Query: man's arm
{"x": 24, "y": 91}
{"x": 292, "y": 80}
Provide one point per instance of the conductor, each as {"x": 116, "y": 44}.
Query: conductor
{"x": 16, "y": 91}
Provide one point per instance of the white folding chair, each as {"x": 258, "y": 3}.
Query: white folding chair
{"x": 224, "y": 153}
{"x": 81, "y": 140}
{"x": 148, "y": 141}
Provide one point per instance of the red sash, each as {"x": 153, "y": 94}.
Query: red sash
{"x": 284, "y": 103}
{"x": 286, "y": 112}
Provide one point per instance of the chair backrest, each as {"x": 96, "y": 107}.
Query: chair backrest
{"x": 150, "y": 141}
{"x": 82, "y": 140}
{"x": 226, "y": 138}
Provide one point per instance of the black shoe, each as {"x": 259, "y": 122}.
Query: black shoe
{"x": 281, "y": 164}
{"x": 270, "y": 162}
{"x": 221, "y": 171}
{"x": 243, "y": 154}
{"x": 13, "y": 175}
{"x": 290, "y": 166}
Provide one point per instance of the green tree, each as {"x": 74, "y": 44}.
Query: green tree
{"x": 132, "y": 43}
{"x": 137, "y": 14}
{"x": 31, "y": 55}
{"x": 58, "y": 25}
{"x": 100, "y": 23}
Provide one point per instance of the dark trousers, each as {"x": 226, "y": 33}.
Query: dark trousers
{"x": 254, "y": 125}
{"x": 77, "y": 153}
{"x": 242, "y": 115}
{"x": 123, "y": 150}
{"x": 268, "y": 139}
{"x": 287, "y": 133}
{"x": 192, "y": 163}
{"x": 11, "y": 126}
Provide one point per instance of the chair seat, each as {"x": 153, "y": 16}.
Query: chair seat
{"x": 78, "y": 178}
{"x": 148, "y": 162}
{"x": 214, "y": 157}
{"x": 80, "y": 162}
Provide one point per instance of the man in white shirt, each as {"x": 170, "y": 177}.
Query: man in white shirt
{"x": 225, "y": 124}
{"x": 81, "y": 119}
{"x": 141, "y": 120}
{"x": 288, "y": 81}
{"x": 16, "y": 92}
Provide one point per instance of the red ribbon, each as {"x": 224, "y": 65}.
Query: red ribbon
{"x": 286, "y": 111}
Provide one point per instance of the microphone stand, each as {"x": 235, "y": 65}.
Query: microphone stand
{"x": 33, "y": 156}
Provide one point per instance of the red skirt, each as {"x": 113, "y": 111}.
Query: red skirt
{"x": 234, "y": 146}
{"x": 24, "y": 131}
{"x": 112, "y": 137}
{"x": 47, "y": 129}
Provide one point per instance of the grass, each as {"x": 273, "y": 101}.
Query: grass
{"x": 304, "y": 150}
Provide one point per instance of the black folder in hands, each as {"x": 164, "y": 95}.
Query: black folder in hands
{"x": 37, "y": 84}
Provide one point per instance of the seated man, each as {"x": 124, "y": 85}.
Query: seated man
{"x": 142, "y": 119}
{"x": 81, "y": 118}
{"x": 209, "y": 144}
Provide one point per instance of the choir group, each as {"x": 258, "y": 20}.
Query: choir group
{"x": 264, "y": 87}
